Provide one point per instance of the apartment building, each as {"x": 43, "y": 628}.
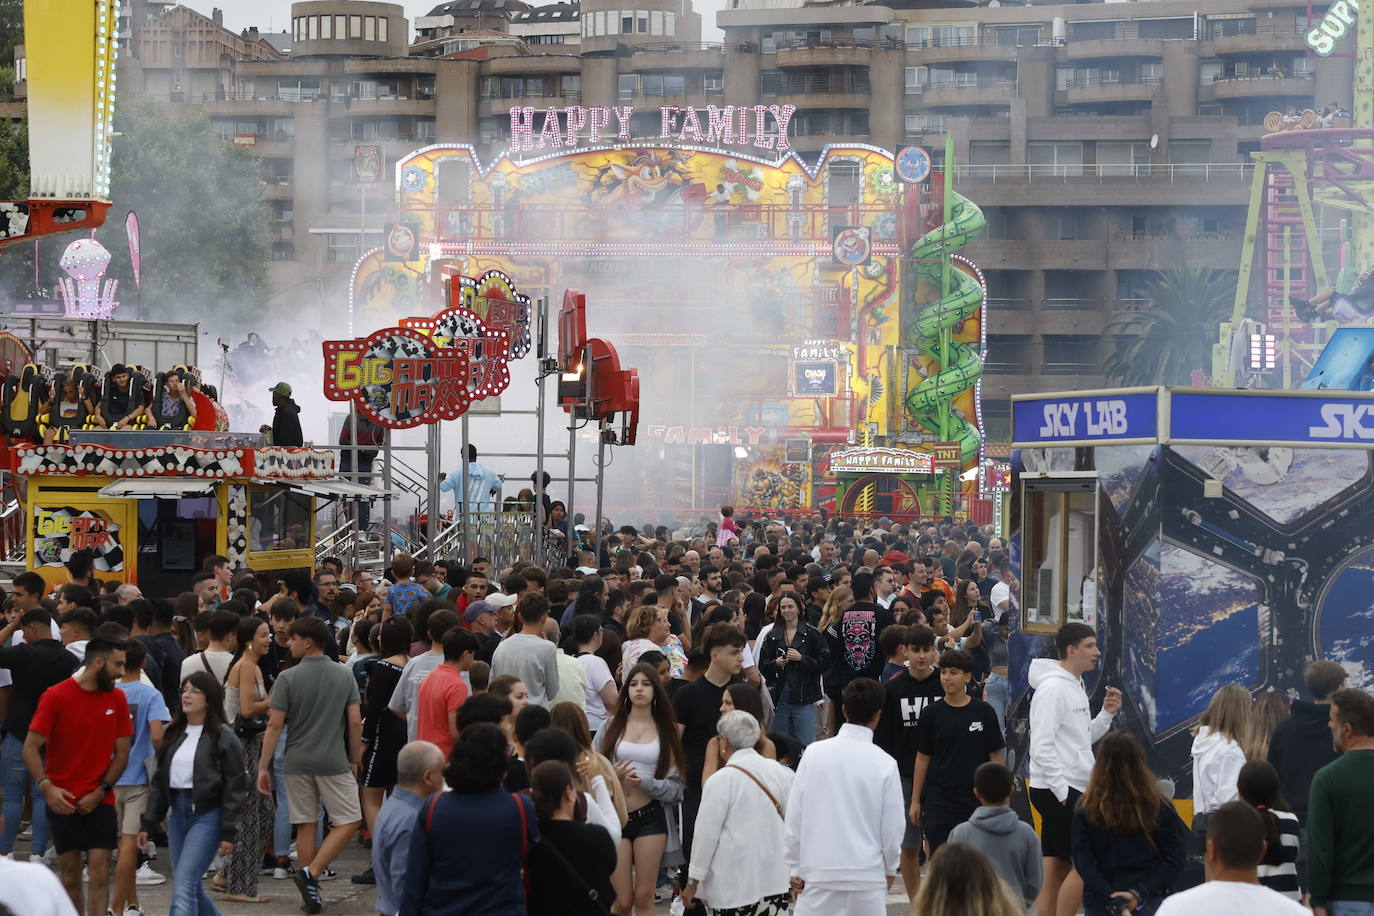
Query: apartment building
{"x": 1104, "y": 140}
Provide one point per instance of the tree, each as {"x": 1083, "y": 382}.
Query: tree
{"x": 1164, "y": 342}
{"x": 206, "y": 232}
{"x": 11, "y": 28}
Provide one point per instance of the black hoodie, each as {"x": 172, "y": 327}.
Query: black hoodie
{"x": 1300, "y": 747}
{"x": 286, "y": 425}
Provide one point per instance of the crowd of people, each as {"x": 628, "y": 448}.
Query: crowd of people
{"x": 771, "y": 715}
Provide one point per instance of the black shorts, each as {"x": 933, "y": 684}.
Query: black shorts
{"x": 1056, "y": 822}
{"x": 650, "y": 820}
{"x": 96, "y": 830}
{"x": 937, "y": 832}
{"x": 911, "y": 837}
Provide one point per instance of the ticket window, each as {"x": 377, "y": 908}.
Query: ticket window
{"x": 1059, "y": 554}
{"x": 174, "y": 538}
{"x": 278, "y": 520}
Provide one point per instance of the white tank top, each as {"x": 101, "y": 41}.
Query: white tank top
{"x": 643, "y": 756}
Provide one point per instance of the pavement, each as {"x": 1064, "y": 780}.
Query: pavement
{"x": 342, "y": 897}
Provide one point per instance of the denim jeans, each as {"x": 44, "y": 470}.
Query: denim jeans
{"x": 194, "y": 839}
{"x": 996, "y": 692}
{"x": 282, "y": 831}
{"x": 1350, "y": 908}
{"x": 797, "y": 720}
{"x": 14, "y": 777}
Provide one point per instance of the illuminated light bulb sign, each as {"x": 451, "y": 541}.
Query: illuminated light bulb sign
{"x": 728, "y": 125}
{"x": 432, "y": 369}
{"x": 84, "y": 291}
{"x": 1333, "y": 26}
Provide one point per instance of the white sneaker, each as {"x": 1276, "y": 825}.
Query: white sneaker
{"x": 282, "y": 872}
{"x": 292, "y": 852}
{"x": 132, "y": 911}
{"x": 145, "y": 876}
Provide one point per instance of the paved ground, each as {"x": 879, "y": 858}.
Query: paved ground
{"x": 342, "y": 897}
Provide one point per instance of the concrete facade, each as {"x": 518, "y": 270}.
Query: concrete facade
{"x": 1104, "y": 141}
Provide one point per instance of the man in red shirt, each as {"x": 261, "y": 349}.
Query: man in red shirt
{"x": 443, "y": 691}
{"x": 83, "y": 723}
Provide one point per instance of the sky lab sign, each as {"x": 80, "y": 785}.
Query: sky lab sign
{"x": 1102, "y": 418}
{"x": 1277, "y": 419}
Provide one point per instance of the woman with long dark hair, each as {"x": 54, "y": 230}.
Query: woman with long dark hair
{"x": 470, "y": 845}
{"x": 384, "y": 734}
{"x": 199, "y": 788}
{"x": 642, "y": 740}
{"x": 570, "y": 869}
{"x": 791, "y": 659}
{"x": 1259, "y": 788}
{"x": 1128, "y": 841}
{"x": 745, "y": 697}
{"x": 245, "y": 710}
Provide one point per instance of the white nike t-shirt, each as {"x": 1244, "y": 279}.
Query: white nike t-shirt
{"x": 1231, "y": 898}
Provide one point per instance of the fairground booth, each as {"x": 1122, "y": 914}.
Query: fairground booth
{"x": 154, "y": 504}
{"x": 1210, "y": 536}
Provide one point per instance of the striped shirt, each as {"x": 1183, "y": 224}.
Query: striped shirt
{"x": 1284, "y": 876}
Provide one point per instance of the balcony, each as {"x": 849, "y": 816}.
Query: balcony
{"x": 1038, "y": 254}
{"x": 844, "y": 89}
{"x": 672, "y": 56}
{"x": 814, "y": 143}
{"x": 1259, "y": 38}
{"x": 1168, "y": 184}
{"x": 392, "y": 106}
{"x": 499, "y": 107}
{"x": 813, "y": 100}
{"x": 831, "y": 52}
{"x": 532, "y": 65}
{"x": 277, "y": 189}
{"x": 1111, "y": 48}
{"x": 953, "y": 50}
{"x": 968, "y": 90}
{"x": 1263, "y": 86}
{"x": 1157, "y": 253}
{"x": 1094, "y": 90}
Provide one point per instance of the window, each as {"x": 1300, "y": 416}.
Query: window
{"x": 1055, "y": 158}
{"x": 313, "y": 30}
{"x": 916, "y": 78}
{"x": 626, "y": 88}
{"x": 770, "y": 82}
{"x": 642, "y": 22}
{"x": 655, "y": 22}
{"x": 1070, "y": 355}
{"x": 612, "y": 23}
{"x": 1303, "y": 65}
{"x": 1092, "y": 31}
{"x": 1059, "y": 525}
{"x": 355, "y": 26}
{"x": 917, "y": 123}
{"x": 917, "y": 36}
{"x": 570, "y": 84}
{"x": 670, "y": 24}
{"x": 383, "y": 28}
{"x": 713, "y": 82}
{"x": 951, "y": 35}
{"x": 1067, "y": 288}
{"x": 1166, "y": 28}
{"x": 1193, "y": 155}
{"x": 1209, "y": 70}
{"x": 989, "y": 152}
{"x": 424, "y": 129}
{"x": 326, "y": 26}
{"x": 627, "y": 22}
{"x": 768, "y": 42}
{"x": 369, "y": 28}
{"x": 340, "y": 29}
{"x": 1021, "y": 35}
{"x": 1152, "y": 72}
{"x": 1123, "y": 157}
{"x": 278, "y": 519}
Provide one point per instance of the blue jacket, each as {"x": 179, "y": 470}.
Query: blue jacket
{"x": 468, "y": 860}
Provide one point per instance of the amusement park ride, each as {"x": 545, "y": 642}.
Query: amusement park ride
{"x": 1311, "y": 227}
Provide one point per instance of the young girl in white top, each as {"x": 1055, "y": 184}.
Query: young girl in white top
{"x": 642, "y": 740}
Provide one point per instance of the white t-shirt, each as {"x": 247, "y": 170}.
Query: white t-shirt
{"x": 183, "y": 767}
{"x": 1231, "y": 898}
{"x": 598, "y": 676}
{"x": 1001, "y": 591}
{"x": 217, "y": 661}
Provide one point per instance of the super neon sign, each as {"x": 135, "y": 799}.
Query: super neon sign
{"x": 1333, "y": 26}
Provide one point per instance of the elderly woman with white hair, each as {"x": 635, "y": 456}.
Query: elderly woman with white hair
{"x": 736, "y": 868}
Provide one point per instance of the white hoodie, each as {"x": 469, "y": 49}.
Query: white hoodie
{"x": 1062, "y": 730}
{"x": 1216, "y": 769}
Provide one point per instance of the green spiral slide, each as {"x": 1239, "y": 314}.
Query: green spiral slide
{"x": 960, "y": 300}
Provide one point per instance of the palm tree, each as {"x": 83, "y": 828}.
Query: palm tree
{"x": 1164, "y": 342}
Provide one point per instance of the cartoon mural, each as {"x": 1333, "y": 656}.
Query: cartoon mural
{"x": 713, "y": 267}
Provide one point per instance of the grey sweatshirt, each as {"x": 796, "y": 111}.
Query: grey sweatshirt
{"x": 1009, "y": 842}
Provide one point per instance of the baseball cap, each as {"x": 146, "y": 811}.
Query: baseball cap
{"x": 477, "y": 609}
{"x": 498, "y": 600}
{"x": 282, "y": 389}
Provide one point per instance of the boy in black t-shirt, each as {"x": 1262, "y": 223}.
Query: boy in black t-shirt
{"x": 909, "y": 694}
{"x": 953, "y": 739}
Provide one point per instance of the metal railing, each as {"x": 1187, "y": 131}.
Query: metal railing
{"x": 818, "y": 83}
{"x": 1091, "y": 82}
{"x": 555, "y": 92}
{"x": 677, "y": 47}
{"x": 964, "y": 81}
{"x": 1163, "y": 173}
{"x": 502, "y": 537}
{"x": 860, "y": 44}
{"x": 1244, "y": 27}
{"x": 1267, "y": 75}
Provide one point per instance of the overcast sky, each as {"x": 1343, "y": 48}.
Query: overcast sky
{"x": 276, "y": 14}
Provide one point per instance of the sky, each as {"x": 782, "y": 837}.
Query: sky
{"x": 276, "y": 14}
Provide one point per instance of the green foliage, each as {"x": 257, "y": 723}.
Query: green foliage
{"x": 206, "y": 232}
{"x": 1163, "y": 343}
{"x": 6, "y": 83}
{"x": 14, "y": 160}
{"x": 11, "y": 28}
